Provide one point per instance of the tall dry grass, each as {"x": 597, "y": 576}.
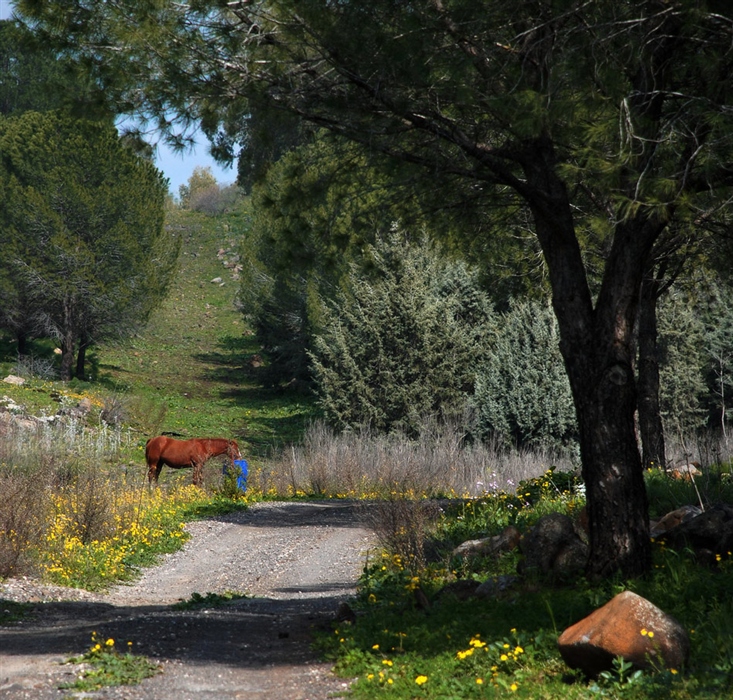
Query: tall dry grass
{"x": 440, "y": 463}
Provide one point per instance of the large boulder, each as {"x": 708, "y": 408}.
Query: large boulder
{"x": 628, "y": 626}
{"x": 711, "y": 531}
{"x": 553, "y": 546}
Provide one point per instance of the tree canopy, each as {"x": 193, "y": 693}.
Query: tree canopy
{"x": 83, "y": 253}
{"x": 599, "y": 123}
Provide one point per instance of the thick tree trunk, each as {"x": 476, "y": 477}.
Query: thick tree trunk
{"x": 650, "y": 420}
{"x": 615, "y": 490}
{"x": 597, "y": 347}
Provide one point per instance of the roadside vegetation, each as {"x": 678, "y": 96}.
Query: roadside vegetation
{"x": 412, "y": 639}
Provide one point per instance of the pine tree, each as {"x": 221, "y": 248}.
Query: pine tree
{"x": 81, "y": 230}
{"x": 522, "y": 392}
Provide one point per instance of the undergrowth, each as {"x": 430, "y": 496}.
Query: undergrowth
{"x": 412, "y": 639}
{"x": 104, "y": 666}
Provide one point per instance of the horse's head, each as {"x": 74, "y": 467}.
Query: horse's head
{"x": 233, "y": 450}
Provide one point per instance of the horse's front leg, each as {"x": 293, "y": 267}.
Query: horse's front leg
{"x": 154, "y": 473}
{"x": 198, "y": 473}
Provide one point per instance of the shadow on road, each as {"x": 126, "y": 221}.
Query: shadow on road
{"x": 341, "y": 513}
{"x": 249, "y": 633}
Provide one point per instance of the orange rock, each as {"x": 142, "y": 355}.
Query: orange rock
{"x": 628, "y": 626}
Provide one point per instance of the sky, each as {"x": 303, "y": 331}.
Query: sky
{"x": 176, "y": 167}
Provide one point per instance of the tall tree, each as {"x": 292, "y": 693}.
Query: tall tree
{"x": 81, "y": 230}
{"x": 588, "y": 116}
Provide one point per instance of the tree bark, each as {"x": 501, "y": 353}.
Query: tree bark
{"x": 22, "y": 339}
{"x": 68, "y": 340}
{"x": 597, "y": 345}
{"x": 67, "y": 357}
{"x": 81, "y": 355}
{"x": 650, "y": 421}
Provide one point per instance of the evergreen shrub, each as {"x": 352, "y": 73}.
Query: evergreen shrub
{"x": 402, "y": 339}
{"x": 522, "y": 392}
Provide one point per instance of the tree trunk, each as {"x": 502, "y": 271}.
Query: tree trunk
{"x": 22, "y": 339}
{"x": 68, "y": 340}
{"x": 67, "y": 356}
{"x": 81, "y": 356}
{"x": 597, "y": 347}
{"x": 615, "y": 491}
{"x": 650, "y": 419}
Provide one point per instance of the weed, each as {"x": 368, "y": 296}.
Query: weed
{"x": 10, "y": 611}
{"x": 104, "y": 666}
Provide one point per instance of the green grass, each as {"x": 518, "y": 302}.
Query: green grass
{"x": 189, "y": 371}
{"x": 506, "y": 646}
{"x": 105, "y": 666}
{"x": 195, "y": 356}
{"x": 11, "y": 611}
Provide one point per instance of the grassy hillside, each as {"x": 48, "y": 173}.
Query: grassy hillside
{"x": 191, "y": 370}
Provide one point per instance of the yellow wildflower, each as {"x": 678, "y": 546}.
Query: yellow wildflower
{"x": 421, "y": 679}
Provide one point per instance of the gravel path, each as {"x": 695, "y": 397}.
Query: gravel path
{"x": 295, "y": 561}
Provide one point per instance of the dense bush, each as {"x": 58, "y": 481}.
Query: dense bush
{"x": 402, "y": 340}
{"x": 522, "y": 392}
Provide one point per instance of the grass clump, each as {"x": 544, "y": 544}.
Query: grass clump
{"x": 439, "y": 463}
{"x": 209, "y": 600}
{"x": 105, "y": 666}
{"x": 10, "y": 611}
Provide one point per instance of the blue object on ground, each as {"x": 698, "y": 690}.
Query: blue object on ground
{"x": 240, "y": 471}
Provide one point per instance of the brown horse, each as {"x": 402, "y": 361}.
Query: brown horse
{"x": 181, "y": 454}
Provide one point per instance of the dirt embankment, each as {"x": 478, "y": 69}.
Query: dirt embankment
{"x": 295, "y": 561}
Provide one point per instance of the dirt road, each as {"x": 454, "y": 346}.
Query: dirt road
{"x": 295, "y": 561}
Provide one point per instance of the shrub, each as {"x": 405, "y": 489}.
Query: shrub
{"x": 401, "y": 342}
{"x": 364, "y": 464}
{"x": 522, "y": 391}
{"x": 23, "y": 517}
